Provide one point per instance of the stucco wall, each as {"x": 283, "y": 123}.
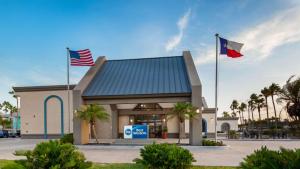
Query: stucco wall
{"x": 32, "y": 112}
{"x": 123, "y": 120}
{"x": 233, "y": 124}
{"x": 210, "y": 121}
{"x": 173, "y": 125}
{"x": 104, "y": 128}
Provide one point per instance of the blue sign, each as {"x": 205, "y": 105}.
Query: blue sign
{"x": 140, "y": 131}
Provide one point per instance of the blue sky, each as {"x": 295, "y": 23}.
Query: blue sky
{"x": 34, "y": 35}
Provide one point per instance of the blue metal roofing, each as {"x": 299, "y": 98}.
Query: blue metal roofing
{"x": 163, "y": 75}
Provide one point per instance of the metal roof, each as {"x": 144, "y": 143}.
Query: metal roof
{"x": 147, "y": 76}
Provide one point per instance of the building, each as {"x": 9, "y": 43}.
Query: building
{"x": 133, "y": 91}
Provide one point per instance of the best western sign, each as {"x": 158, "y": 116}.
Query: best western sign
{"x": 136, "y": 132}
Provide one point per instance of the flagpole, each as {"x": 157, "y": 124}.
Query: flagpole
{"x": 216, "y": 85}
{"x": 68, "y": 88}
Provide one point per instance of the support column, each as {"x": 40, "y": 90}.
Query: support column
{"x": 115, "y": 121}
{"x": 195, "y": 131}
{"x": 80, "y": 127}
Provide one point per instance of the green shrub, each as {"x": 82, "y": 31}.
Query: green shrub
{"x": 21, "y": 152}
{"x": 55, "y": 155}
{"x": 212, "y": 143}
{"x": 67, "y": 138}
{"x": 271, "y": 159}
{"x": 165, "y": 156}
{"x": 232, "y": 134}
{"x": 13, "y": 166}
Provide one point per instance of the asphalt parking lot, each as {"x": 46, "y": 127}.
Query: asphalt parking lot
{"x": 230, "y": 155}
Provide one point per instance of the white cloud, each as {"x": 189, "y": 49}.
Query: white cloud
{"x": 182, "y": 25}
{"x": 261, "y": 40}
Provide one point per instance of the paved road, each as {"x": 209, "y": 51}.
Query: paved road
{"x": 231, "y": 155}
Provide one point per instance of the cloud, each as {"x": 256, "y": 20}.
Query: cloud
{"x": 182, "y": 25}
{"x": 262, "y": 39}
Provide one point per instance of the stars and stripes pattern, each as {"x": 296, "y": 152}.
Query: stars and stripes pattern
{"x": 81, "y": 58}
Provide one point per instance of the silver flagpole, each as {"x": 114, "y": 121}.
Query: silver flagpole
{"x": 68, "y": 87}
{"x": 216, "y": 87}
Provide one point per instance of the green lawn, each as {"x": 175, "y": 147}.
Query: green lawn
{"x": 121, "y": 166}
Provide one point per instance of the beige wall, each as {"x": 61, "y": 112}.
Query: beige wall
{"x": 210, "y": 120}
{"x": 123, "y": 121}
{"x": 104, "y": 128}
{"x": 32, "y": 112}
{"x": 233, "y": 124}
{"x": 173, "y": 125}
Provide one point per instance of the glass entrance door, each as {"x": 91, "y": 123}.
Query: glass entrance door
{"x": 155, "y": 123}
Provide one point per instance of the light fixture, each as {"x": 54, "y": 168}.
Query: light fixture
{"x": 197, "y": 111}
{"x": 131, "y": 120}
{"x": 164, "y": 120}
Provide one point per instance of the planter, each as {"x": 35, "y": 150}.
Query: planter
{"x": 164, "y": 135}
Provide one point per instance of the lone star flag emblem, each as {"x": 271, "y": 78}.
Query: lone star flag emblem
{"x": 230, "y": 48}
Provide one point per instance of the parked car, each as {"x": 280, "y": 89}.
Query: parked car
{"x": 4, "y": 133}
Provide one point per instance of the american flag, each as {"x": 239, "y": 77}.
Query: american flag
{"x": 81, "y": 58}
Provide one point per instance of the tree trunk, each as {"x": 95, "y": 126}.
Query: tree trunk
{"x": 275, "y": 113}
{"x": 243, "y": 119}
{"x": 260, "y": 129}
{"x": 181, "y": 131}
{"x": 94, "y": 132}
{"x": 267, "y": 107}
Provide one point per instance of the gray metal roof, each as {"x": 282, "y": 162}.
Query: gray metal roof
{"x": 147, "y": 76}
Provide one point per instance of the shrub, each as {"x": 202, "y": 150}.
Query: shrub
{"x": 271, "y": 159}
{"x": 67, "y": 138}
{"x": 212, "y": 143}
{"x": 55, "y": 155}
{"x": 232, "y": 134}
{"x": 165, "y": 156}
{"x": 13, "y": 166}
{"x": 21, "y": 152}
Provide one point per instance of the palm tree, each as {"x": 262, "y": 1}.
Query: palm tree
{"x": 91, "y": 113}
{"x": 253, "y": 99}
{"x": 251, "y": 107}
{"x": 258, "y": 102}
{"x": 234, "y": 105}
{"x": 183, "y": 111}
{"x": 226, "y": 114}
{"x": 274, "y": 90}
{"x": 242, "y": 108}
{"x": 290, "y": 94}
{"x": 266, "y": 93}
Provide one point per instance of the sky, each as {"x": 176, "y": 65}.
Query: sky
{"x": 34, "y": 35}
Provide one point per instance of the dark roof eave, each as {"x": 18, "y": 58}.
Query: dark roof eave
{"x": 138, "y": 96}
{"x": 42, "y": 88}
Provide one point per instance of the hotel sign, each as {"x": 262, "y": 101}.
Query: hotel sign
{"x": 136, "y": 132}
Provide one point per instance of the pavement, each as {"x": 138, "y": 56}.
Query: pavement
{"x": 230, "y": 155}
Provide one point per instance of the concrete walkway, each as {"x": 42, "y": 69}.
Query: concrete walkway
{"x": 230, "y": 155}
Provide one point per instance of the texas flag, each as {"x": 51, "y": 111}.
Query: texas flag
{"x": 230, "y": 48}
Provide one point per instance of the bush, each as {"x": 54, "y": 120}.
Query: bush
{"x": 271, "y": 159}
{"x": 212, "y": 143}
{"x": 165, "y": 156}
{"x": 67, "y": 138}
{"x": 232, "y": 134}
{"x": 13, "y": 166}
{"x": 55, "y": 155}
{"x": 21, "y": 152}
